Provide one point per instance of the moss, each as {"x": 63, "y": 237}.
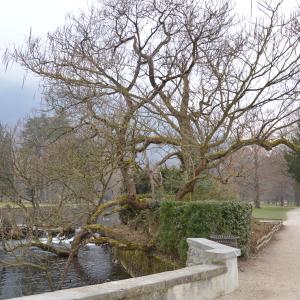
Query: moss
{"x": 139, "y": 263}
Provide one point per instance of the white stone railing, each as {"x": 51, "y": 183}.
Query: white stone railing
{"x": 211, "y": 272}
{"x": 204, "y": 251}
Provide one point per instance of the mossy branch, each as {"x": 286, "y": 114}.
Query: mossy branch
{"x": 102, "y": 207}
{"x": 268, "y": 145}
{"x": 120, "y": 244}
{"x": 46, "y": 247}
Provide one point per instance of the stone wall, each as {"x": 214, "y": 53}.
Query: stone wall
{"x": 140, "y": 263}
{"x": 211, "y": 272}
{"x": 272, "y": 226}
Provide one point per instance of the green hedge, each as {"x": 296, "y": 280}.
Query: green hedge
{"x": 180, "y": 220}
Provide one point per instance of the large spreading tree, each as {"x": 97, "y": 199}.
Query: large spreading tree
{"x": 186, "y": 77}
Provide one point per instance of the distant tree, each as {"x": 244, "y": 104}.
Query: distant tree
{"x": 6, "y": 165}
{"x": 293, "y": 165}
{"x": 6, "y": 162}
{"x": 276, "y": 183}
{"x": 253, "y": 173}
{"x": 38, "y": 133}
{"x": 41, "y": 130}
{"x": 293, "y": 159}
{"x": 257, "y": 181}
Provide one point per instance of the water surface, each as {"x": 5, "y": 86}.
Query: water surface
{"x": 93, "y": 265}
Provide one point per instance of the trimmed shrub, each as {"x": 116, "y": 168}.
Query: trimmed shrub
{"x": 180, "y": 220}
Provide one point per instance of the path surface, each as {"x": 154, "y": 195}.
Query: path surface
{"x": 275, "y": 272}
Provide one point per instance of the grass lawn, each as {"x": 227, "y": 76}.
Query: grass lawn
{"x": 271, "y": 212}
{"x": 28, "y": 204}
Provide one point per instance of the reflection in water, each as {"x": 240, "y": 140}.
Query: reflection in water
{"x": 93, "y": 265}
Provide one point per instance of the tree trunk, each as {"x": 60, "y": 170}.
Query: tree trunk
{"x": 150, "y": 172}
{"x": 281, "y": 200}
{"x": 152, "y": 184}
{"x": 189, "y": 186}
{"x": 256, "y": 178}
{"x": 296, "y": 187}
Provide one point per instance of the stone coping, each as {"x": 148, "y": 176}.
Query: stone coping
{"x": 127, "y": 288}
{"x": 211, "y": 247}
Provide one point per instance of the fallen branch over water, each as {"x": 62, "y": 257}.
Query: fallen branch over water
{"x": 59, "y": 251}
{"x": 120, "y": 244}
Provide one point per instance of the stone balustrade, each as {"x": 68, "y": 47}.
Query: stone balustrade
{"x": 211, "y": 272}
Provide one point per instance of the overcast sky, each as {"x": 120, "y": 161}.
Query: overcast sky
{"x": 17, "y": 17}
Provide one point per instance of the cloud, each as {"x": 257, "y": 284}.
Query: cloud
{"x": 16, "y": 102}
{"x": 17, "y": 18}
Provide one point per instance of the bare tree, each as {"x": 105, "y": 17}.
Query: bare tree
{"x": 186, "y": 75}
{"x": 278, "y": 186}
{"x": 239, "y": 81}
{"x": 256, "y": 175}
{"x": 80, "y": 172}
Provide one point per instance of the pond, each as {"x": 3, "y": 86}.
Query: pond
{"x": 93, "y": 265}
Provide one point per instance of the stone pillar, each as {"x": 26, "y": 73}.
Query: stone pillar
{"x": 203, "y": 251}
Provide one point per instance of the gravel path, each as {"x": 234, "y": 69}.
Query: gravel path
{"x": 275, "y": 272}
